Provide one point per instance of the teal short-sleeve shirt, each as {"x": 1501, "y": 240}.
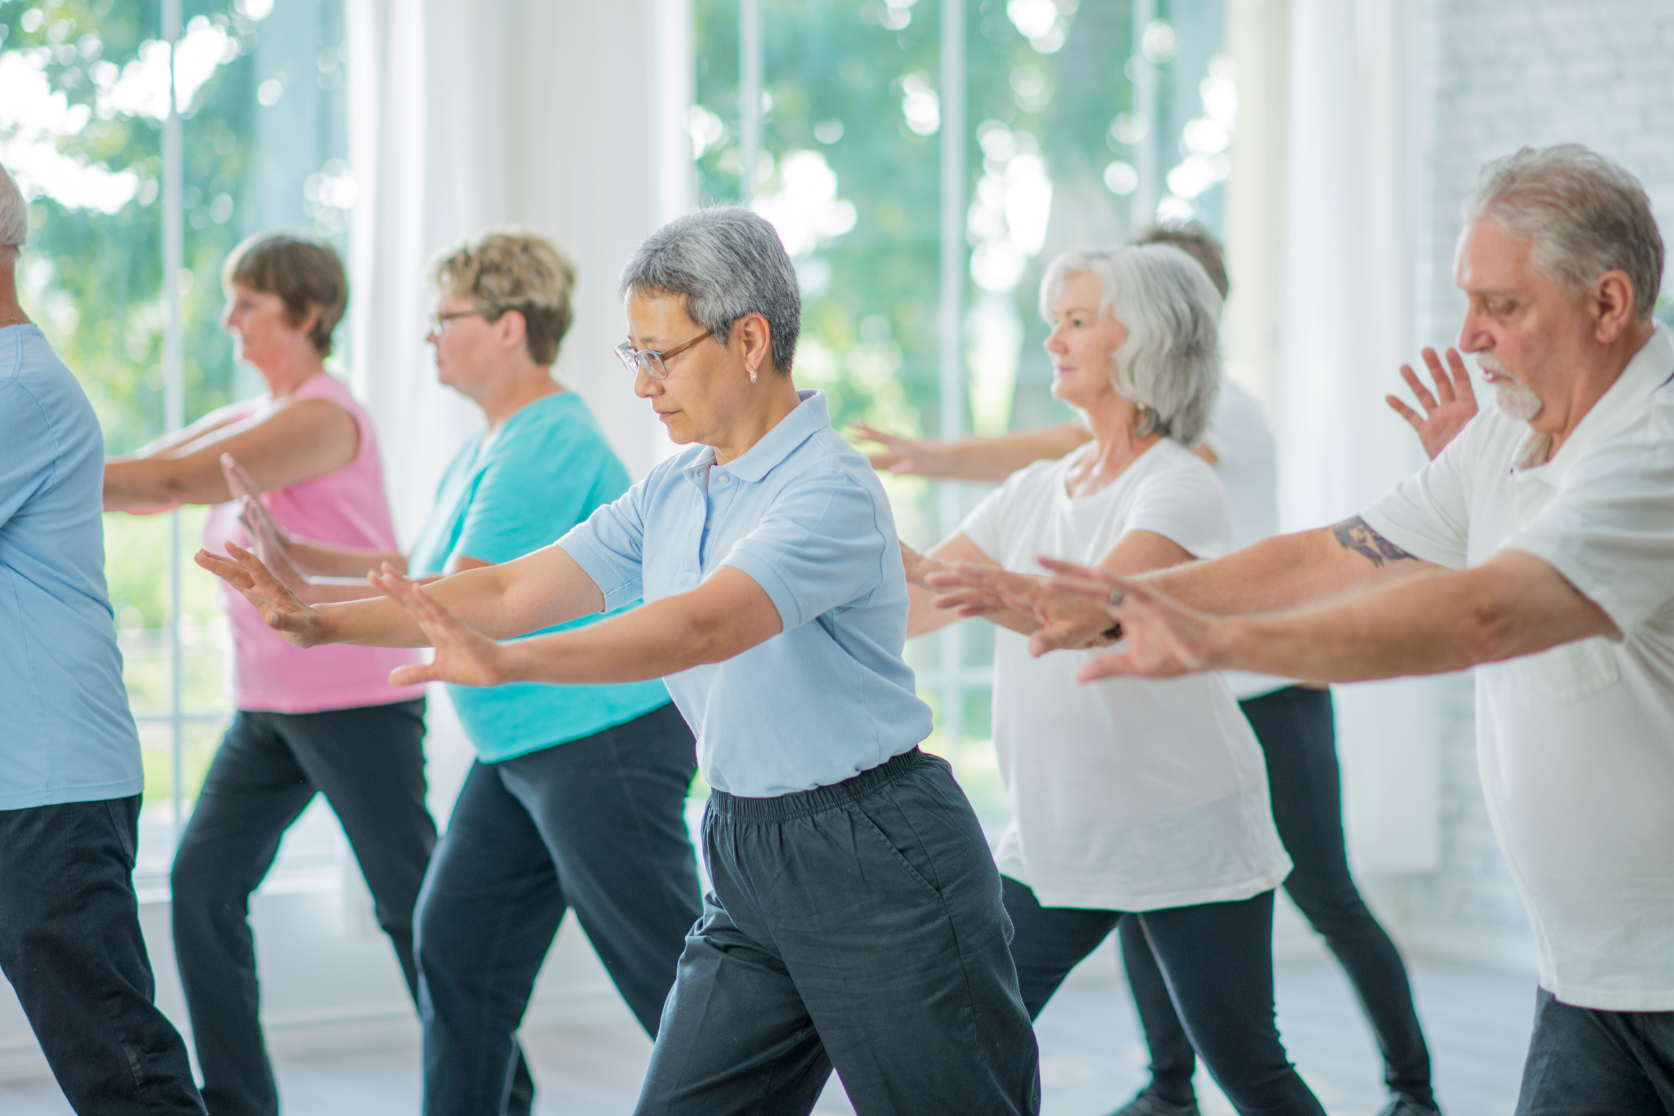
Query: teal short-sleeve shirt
{"x": 545, "y": 470}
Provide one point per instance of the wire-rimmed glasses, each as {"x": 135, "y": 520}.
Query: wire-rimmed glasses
{"x": 651, "y": 362}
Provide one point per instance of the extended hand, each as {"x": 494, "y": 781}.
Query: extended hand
{"x": 1055, "y": 619}
{"x": 1160, "y": 639}
{"x": 1446, "y": 412}
{"x": 906, "y": 456}
{"x": 280, "y": 608}
{"x": 464, "y": 656}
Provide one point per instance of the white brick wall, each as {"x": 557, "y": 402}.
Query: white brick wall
{"x": 1504, "y": 74}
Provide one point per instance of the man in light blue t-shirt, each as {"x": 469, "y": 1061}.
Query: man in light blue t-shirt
{"x": 70, "y": 776}
{"x": 577, "y": 798}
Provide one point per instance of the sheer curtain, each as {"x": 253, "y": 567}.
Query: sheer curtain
{"x": 1324, "y": 211}
{"x": 569, "y": 118}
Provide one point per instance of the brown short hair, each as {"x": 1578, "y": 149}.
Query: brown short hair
{"x": 305, "y": 273}
{"x": 1195, "y": 241}
{"x": 514, "y": 269}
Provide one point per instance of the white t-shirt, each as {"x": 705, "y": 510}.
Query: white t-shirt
{"x": 1247, "y": 461}
{"x": 1576, "y": 744}
{"x": 1125, "y": 794}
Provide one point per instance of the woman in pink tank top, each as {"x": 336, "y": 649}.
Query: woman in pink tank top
{"x": 306, "y": 721}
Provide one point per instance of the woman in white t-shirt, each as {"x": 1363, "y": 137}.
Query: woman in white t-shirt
{"x": 1131, "y": 796}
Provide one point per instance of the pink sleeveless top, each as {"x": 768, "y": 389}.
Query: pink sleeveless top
{"x": 347, "y": 507}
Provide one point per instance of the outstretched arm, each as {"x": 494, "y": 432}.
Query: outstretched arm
{"x": 305, "y": 439}
{"x": 536, "y": 591}
{"x": 724, "y": 616}
{"x": 975, "y": 459}
{"x": 1277, "y": 573}
{"x": 1436, "y": 621}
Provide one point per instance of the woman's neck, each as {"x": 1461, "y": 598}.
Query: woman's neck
{"x": 518, "y": 394}
{"x": 1115, "y": 446}
{"x": 284, "y": 378}
{"x": 767, "y": 409}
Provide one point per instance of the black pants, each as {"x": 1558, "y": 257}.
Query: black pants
{"x": 1298, "y": 738}
{"x": 369, "y": 763}
{"x": 858, "y": 925}
{"x": 70, "y": 945}
{"x": 597, "y": 824}
{"x": 1586, "y": 1062}
{"x": 1218, "y": 961}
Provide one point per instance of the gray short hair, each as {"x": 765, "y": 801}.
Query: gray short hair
{"x": 1584, "y": 215}
{"x": 729, "y": 263}
{"x": 14, "y": 215}
{"x": 1170, "y": 365}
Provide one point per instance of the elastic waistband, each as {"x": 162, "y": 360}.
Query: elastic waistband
{"x": 802, "y": 803}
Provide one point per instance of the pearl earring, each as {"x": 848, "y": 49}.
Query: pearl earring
{"x": 752, "y": 375}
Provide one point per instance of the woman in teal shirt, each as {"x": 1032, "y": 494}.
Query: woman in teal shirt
{"x": 577, "y": 796}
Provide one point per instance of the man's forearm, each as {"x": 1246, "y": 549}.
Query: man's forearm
{"x": 1283, "y": 572}
{"x": 1432, "y": 623}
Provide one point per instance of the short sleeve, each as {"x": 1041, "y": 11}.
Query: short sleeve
{"x": 533, "y": 491}
{"x": 1428, "y": 514}
{"x": 819, "y": 546}
{"x": 1187, "y": 506}
{"x": 986, "y": 525}
{"x": 1609, "y": 530}
{"x": 31, "y": 453}
{"x": 610, "y": 544}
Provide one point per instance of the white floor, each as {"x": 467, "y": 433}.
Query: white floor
{"x": 1091, "y": 1057}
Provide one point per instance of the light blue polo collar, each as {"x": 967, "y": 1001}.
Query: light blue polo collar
{"x": 810, "y": 416}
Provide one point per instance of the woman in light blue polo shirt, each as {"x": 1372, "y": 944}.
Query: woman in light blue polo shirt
{"x": 855, "y": 919}
{"x": 577, "y": 796}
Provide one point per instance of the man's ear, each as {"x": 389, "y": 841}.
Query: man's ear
{"x": 1612, "y": 305}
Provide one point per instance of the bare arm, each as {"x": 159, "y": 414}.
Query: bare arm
{"x": 724, "y": 616}
{"x": 1280, "y": 572}
{"x": 296, "y": 442}
{"x": 536, "y": 591}
{"x": 924, "y": 617}
{"x": 1441, "y": 620}
{"x": 977, "y": 459}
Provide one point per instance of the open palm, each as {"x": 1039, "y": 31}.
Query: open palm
{"x": 281, "y": 609}
{"x": 464, "y": 656}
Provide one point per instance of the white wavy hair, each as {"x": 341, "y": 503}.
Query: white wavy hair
{"x": 14, "y": 216}
{"x": 1170, "y": 365}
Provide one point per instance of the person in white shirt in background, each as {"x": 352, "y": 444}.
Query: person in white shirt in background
{"x": 1538, "y": 548}
{"x": 1293, "y": 723}
{"x": 1133, "y": 799}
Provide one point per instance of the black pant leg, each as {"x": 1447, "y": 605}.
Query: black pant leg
{"x": 1584, "y": 1062}
{"x": 611, "y": 810}
{"x": 1173, "y": 1061}
{"x": 369, "y": 763}
{"x": 486, "y": 917}
{"x": 1047, "y": 942}
{"x": 1218, "y": 960}
{"x": 1298, "y": 738}
{"x": 70, "y": 944}
{"x": 253, "y": 792}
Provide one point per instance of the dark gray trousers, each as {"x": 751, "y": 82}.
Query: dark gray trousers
{"x": 858, "y": 926}
{"x": 596, "y": 825}
{"x": 369, "y": 763}
{"x": 70, "y": 945}
{"x": 1587, "y": 1062}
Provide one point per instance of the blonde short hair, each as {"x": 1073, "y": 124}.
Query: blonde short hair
{"x": 514, "y": 269}
{"x": 305, "y": 273}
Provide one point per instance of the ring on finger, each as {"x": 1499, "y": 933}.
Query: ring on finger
{"x": 1115, "y": 598}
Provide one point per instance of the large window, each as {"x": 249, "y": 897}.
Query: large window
{"x": 923, "y": 161}
{"x": 137, "y": 193}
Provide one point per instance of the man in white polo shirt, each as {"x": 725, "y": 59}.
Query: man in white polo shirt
{"x": 1539, "y": 548}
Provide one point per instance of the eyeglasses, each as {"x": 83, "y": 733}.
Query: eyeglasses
{"x": 653, "y": 364}
{"x": 439, "y": 322}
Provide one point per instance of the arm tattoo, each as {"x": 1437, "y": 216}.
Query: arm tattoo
{"x": 1356, "y": 534}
